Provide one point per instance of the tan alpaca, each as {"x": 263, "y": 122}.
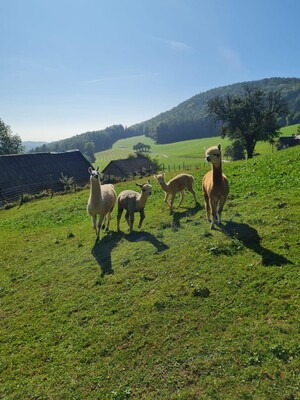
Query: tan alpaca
{"x": 176, "y": 185}
{"x": 101, "y": 201}
{"x": 215, "y": 186}
{"x": 133, "y": 202}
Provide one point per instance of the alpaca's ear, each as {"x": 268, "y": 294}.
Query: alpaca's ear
{"x": 219, "y": 146}
{"x": 97, "y": 169}
{"x": 139, "y": 185}
{"x": 155, "y": 176}
{"x": 90, "y": 170}
{"x": 148, "y": 181}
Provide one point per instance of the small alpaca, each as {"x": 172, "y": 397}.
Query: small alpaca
{"x": 215, "y": 186}
{"x": 176, "y": 185}
{"x": 133, "y": 202}
{"x": 101, "y": 201}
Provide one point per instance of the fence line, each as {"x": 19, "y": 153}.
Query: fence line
{"x": 18, "y": 193}
{"x": 182, "y": 167}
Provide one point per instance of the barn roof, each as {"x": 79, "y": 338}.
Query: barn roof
{"x": 37, "y": 169}
{"x": 128, "y": 166}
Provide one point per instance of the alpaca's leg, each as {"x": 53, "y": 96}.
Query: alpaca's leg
{"x": 220, "y": 209}
{"x": 166, "y": 200}
{"x": 108, "y": 218}
{"x": 104, "y": 223}
{"x": 101, "y": 218}
{"x": 127, "y": 218}
{"x": 172, "y": 201}
{"x": 213, "y": 206}
{"x": 131, "y": 221}
{"x": 181, "y": 196}
{"x": 120, "y": 211}
{"x": 191, "y": 190}
{"x": 142, "y": 217}
{"x": 207, "y": 206}
{"x": 94, "y": 222}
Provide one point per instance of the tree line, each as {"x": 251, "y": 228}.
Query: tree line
{"x": 190, "y": 120}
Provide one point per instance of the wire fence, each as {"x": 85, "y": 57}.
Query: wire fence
{"x": 182, "y": 167}
{"x": 23, "y": 192}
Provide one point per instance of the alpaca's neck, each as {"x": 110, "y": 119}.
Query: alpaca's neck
{"x": 95, "y": 189}
{"x": 217, "y": 172}
{"x": 164, "y": 186}
{"x": 141, "y": 202}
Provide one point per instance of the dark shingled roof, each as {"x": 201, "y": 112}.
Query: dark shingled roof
{"x": 39, "y": 171}
{"x": 128, "y": 166}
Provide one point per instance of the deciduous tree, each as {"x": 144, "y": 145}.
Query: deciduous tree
{"x": 9, "y": 143}
{"x": 250, "y": 117}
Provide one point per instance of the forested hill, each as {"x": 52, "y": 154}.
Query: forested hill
{"x": 189, "y": 120}
{"x": 186, "y": 121}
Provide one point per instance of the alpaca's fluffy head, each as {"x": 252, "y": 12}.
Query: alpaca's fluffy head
{"x": 213, "y": 154}
{"x": 94, "y": 173}
{"x": 160, "y": 178}
{"x": 146, "y": 187}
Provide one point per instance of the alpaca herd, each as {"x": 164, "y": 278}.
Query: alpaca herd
{"x": 103, "y": 198}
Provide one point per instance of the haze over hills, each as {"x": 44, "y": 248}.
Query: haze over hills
{"x": 188, "y": 120}
{"x": 29, "y": 145}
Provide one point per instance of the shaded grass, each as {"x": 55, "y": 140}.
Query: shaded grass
{"x": 123, "y": 318}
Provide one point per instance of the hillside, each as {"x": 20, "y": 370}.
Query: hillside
{"x": 29, "y": 145}
{"x": 186, "y": 121}
{"x": 173, "y": 156}
{"x": 176, "y": 311}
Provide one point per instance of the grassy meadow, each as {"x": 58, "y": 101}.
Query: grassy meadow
{"x": 174, "y": 311}
{"x": 183, "y": 155}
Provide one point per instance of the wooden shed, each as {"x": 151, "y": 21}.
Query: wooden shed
{"x": 34, "y": 172}
{"x": 122, "y": 169}
{"x": 288, "y": 141}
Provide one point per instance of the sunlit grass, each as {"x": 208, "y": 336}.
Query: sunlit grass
{"x": 183, "y": 155}
{"x": 176, "y": 311}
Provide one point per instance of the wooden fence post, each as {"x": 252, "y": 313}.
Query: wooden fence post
{"x": 51, "y": 185}
{"x": 22, "y": 193}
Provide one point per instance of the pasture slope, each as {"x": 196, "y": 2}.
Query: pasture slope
{"x": 176, "y": 155}
{"x": 176, "y": 311}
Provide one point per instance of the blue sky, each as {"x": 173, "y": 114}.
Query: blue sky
{"x": 70, "y": 66}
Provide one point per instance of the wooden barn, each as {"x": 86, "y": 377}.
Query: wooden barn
{"x": 288, "y": 141}
{"x": 34, "y": 172}
{"x": 125, "y": 168}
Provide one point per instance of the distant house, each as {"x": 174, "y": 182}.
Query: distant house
{"x": 34, "y": 172}
{"x": 288, "y": 141}
{"x": 125, "y": 168}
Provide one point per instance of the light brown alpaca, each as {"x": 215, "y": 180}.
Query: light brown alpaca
{"x": 178, "y": 184}
{"x": 215, "y": 186}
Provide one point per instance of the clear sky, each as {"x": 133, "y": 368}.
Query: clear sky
{"x": 70, "y": 66}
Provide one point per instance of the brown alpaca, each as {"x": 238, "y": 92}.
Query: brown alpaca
{"x": 215, "y": 186}
{"x": 176, "y": 185}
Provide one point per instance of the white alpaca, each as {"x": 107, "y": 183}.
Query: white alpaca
{"x": 101, "y": 201}
{"x": 132, "y": 202}
{"x": 176, "y": 185}
{"x": 215, "y": 186}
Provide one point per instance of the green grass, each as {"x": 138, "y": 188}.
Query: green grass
{"x": 183, "y": 155}
{"x": 176, "y": 311}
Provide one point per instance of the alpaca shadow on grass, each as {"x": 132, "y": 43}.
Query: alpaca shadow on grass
{"x": 102, "y": 249}
{"x": 189, "y": 212}
{"x": 251, "y": 239}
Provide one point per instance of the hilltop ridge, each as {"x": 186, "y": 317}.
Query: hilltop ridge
{"x": 188, "y": 120}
